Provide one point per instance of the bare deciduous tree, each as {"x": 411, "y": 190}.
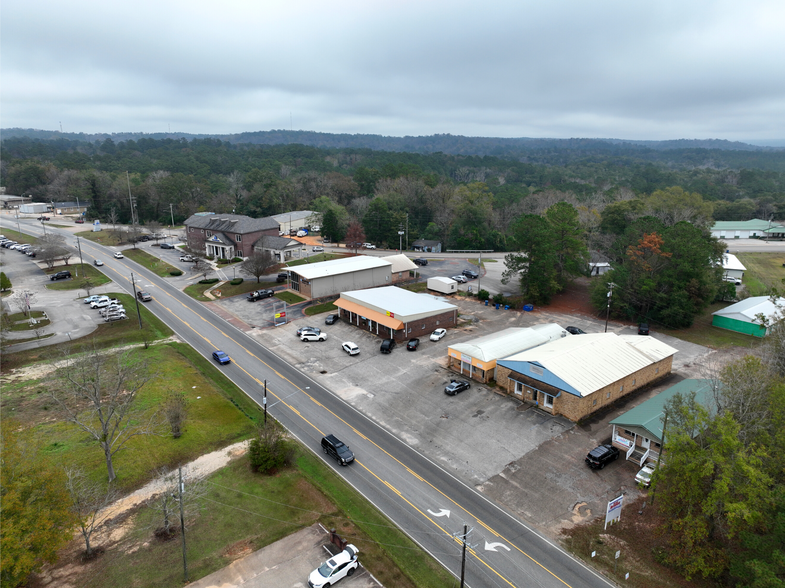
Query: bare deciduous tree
{"x": 23, "y": 300}
{"x": 257, "y": 264}
{"x": 52, "y": 247}
{"x": 112, "y": 216}
{"x": 89, "y": 501}
{"x": 176, "y": 412}
{"x": 166, "y": 500}
{"x": 202, "y": 267}
{"x": 97, "y": 392}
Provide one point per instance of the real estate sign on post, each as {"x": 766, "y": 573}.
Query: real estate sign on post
{"x": 613, "y": 513}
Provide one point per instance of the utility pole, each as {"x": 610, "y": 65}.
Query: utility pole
{"x": 182, "y": 523}
{"x": 463, "y": 555}
{"x": 265, "y": 403}
{"x": 81, "y": 261}
{"x": 130, "y": 198}
{"x": 400, "y": 241}
{"x": 136, "y": 299}
{"x": 662, "y": 446}
{"x": 608, "y": 309}
{"x": 171, "y": 211}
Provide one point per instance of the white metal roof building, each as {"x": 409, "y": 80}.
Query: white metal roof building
{"x": 294, "y": 219}
{"x": 732, "y": 267}
{"x": 395, "y": 313}
{"x": 401, "y": 266}
{"x": 327, "y": 278}
{"x": 477, "y": 358}
{"x": 577, "y": 375}
{"x": 742, "y": 317}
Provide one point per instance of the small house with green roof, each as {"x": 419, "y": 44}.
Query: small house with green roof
{"x": 638, "y": 432}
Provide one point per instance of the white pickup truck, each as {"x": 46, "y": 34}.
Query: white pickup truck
{"x": 103, "y": 302}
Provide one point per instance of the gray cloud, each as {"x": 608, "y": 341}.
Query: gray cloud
{"x": 706, "y": 68}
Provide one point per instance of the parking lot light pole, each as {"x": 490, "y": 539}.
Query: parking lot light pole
{"x": 400, "y": 241}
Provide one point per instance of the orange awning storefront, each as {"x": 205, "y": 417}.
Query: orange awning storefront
{"x": 380, "y": 318}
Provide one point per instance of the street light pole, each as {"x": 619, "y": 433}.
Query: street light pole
{"x": 172, "y": 213}
{"x": 400, "y": 241}
{"x": 608, "y": 309}
{"x": 81, "y": 261}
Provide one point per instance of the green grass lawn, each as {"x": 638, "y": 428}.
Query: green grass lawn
{"x": 289, "y": 297}
{"x": 320, "y": 308}
{"x": 20, "y": 322}
{"x": 79, "y": 272}
{"x": 703, "y": 333}
{"x": 196, "y": 291}
{"x": 213, "y": 421}
{"x": 764, "y": 271}
{"x": 106, "y": 237}
{"x": 154, "y": 264}
{"x": 107, "y": 335}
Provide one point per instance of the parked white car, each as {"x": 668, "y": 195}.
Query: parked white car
{"x": 350, "y": 348}
{"x": 313, "y": 336}
{"x": 438, "y": 334}
{"x": 369, "y": 246}
{"x": 342, "y": 565}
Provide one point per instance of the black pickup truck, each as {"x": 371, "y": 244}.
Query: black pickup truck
{"x": 259, "y": 295}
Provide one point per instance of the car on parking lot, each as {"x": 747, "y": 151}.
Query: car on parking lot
{"x": 221, "y": 357}
{"x": 412, "y": 344}
{"x": 144, "y": 296}
{"x": 118, "y": 255}
{"x": 318, "y": 249}
{"x": 438, "y": 334}
{"x": 259, "y": 295}
{"x": 340, "y": 566}
{"x": 60, "y": 276}
{"x": 600, "y": 456}
{"x": 643, "y": 477}
{"x": 302, "y": 330}
{"x": 471, "y": 274}
{"x": 456, "y": 387}
{"x": 420, "y": 261}
{"x": 643, "y": 329}
{"x": 103, "y": 302}
{"x": 350, "y": 348}
{"x": 115, "y": 317}
{"x": 459, "y": 279}
{"x": 387, "y": 345}
{"x": 732, "y": 280}
{"x": 112, "y": 308}
{"x": 331, "y": 319}
{"x": 311, "y": 336}
{"x": 331, "y": 445}
{"x": 282, "y": 277}
{"x": 575, "y": 331}
{"x": 188, "y": 258}
{"x": 92, "y": 298}
{"x": 167, "y": 246}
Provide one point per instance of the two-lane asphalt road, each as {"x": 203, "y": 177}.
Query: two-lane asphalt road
{"x": 428, "y": 503}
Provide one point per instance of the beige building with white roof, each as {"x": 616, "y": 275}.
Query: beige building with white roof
{"x": 401, "y": 267}
{"x": 576, "y": 376}
{"x": 395, "y": 313}
{"x": 477, "y": 358}
{"x": 328, "y": 278}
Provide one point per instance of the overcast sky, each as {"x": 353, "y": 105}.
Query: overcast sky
{"x": 665, "y": 69}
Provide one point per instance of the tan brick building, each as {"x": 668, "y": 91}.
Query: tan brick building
{"x": 577, "y": 375}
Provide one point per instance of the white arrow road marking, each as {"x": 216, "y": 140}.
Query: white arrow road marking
{"x": 493, "y": 546}
{"x": 442, "y": 513}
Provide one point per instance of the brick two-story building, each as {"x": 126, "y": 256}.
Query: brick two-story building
{"x": 227, "y": 235}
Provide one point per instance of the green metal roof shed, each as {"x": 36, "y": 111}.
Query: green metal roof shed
{"x": 645, "y": 420}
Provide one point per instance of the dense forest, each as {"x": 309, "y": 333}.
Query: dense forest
{"x": 582, "y": 198}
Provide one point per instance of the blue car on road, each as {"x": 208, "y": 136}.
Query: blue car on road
{"x": 221, "y": 357}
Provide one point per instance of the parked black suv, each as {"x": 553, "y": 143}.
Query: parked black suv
{"x": 643, "y": 329}
{"x": 599, "y": 456}
{"x": 331, "y": 445}
{"x": 387, "y": 346}
{"x": 282, "y": 277}
{"x": 471, "y": 274}
{"x": 420, "y": 261}
{"x": 60, "y": 276}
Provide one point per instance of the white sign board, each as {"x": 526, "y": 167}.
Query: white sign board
{"x": 613, "y": 513}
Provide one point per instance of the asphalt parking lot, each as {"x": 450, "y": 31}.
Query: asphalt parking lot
{"x": 527, "y": 460}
